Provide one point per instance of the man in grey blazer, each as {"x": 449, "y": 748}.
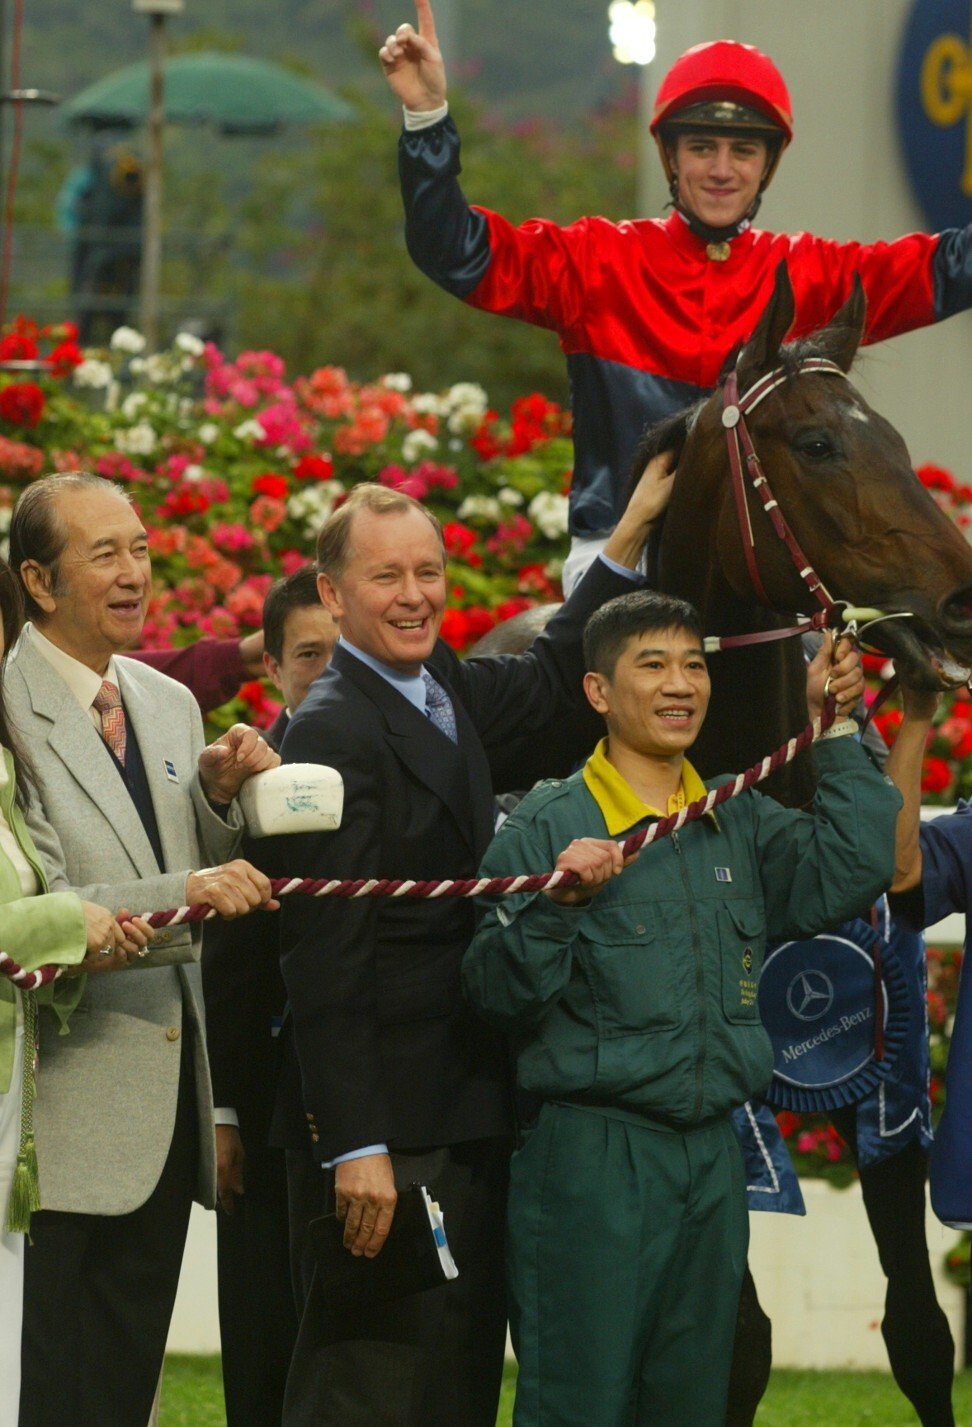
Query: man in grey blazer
{"x": 127, "y": 803}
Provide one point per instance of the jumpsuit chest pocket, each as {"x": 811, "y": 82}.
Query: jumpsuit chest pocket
{"x": 628, "y": 965}
{"x": 742, "y": 942}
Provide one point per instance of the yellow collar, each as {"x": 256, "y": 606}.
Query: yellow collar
{"x": 620, "y": 804}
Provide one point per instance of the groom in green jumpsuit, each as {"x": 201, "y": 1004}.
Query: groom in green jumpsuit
{"x": 631, "y": 1000}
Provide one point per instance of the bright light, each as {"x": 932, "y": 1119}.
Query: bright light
{"x": 632, "y": 30}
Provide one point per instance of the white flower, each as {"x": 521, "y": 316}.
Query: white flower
{"x": 416, "y": 443}
{"x": 160, "y": 368}
{"x": 92, "y": 373}
{"x": 466, "y": 403}
{"x": 112, "y": 396}
{"x": 126, "y": 339}
{"x": 397, "y": 381}
{"x": 426, "y": 403}
{"x": 138, "y": 440}
{"x": 549, "y": 512}
{"x": 248, "y": 430}
{"x": 6, "y": 514}
{"x": 480, "y": 507}
{"x": 314, "y": 504}
{"x": 136, "y": 366}
{"x": 509, "y": 496}
{"x": 193, "y": 473}
{"x": 133, "y": 404}
{"x": 467, "y": 394}
{"x": 208, "y": 432}
{"x": 189, "y": 343}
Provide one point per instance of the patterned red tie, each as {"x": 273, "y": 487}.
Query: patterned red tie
{"x": 108, "y": 703}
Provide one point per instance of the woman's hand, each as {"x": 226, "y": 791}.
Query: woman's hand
{"x": 112, "y": 942}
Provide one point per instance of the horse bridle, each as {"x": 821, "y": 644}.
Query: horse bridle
{"x": 743, "y": 463}
{"x": 735, "y": 409}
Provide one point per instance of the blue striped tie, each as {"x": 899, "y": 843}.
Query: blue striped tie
{"x": 439, "y": 708}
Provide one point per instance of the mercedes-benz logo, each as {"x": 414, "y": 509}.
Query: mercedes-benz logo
{"x": 810, "y": 995}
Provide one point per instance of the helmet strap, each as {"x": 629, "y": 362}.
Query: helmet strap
{"x": 705, "y": 231}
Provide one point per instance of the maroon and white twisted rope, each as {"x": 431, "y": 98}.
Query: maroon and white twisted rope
{"x": 470, "y": 886}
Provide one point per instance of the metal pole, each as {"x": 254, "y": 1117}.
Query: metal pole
{"x": 649, "y": 199}
{"x": 152, "y": 200}
{"x": 3, "y": 86}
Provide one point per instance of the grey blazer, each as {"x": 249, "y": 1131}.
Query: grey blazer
{"x": 107, "y": 1087}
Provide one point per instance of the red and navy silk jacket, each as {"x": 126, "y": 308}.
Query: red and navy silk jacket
{"x": 644, "y": 317}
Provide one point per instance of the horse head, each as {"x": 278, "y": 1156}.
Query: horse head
{"x": 844, "y": 483}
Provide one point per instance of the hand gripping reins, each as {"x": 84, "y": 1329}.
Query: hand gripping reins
{"x": 470, "y": 886}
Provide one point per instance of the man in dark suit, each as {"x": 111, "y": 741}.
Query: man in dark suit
{"x": 398, "y": 1082}
{"x": 244, "y": 998}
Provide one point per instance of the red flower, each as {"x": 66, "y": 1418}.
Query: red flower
{"x": 483, "y": 440}
{"x": 936, "y": 776}
{"x": 455, "y": 628}
{"x": 516, "y": 605}
{"x": 186, "y": 501}
{"x": 458, "y": 538}
{"x": 788, "y": 1122}
{"x": 314, "y": 468}
{"x": 936, "y": 478}
{"x": 21, "y": 403}
{"x": 252, "y": 693}
{"x": 64, "y": 358}
{"x": 16, "y": 347}
{"x": 271, "y": 485}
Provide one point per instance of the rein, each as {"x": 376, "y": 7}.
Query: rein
{"x": 471, "y": 886}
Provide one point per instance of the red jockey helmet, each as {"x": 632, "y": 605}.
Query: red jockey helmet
{"x": 724, "y": 85}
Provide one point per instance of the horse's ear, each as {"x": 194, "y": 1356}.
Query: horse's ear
{"x": 762, "y": 350}
{"x": 840, "y": 339}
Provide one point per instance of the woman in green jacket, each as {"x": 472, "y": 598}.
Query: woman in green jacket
{"x": 36, "y": 927}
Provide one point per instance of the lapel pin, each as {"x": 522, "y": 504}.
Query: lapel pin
{"x": 170, "y": 770}
{"x": 723, "y": 874}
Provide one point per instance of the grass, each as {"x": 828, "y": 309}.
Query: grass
{"x": 192, "y": 1396}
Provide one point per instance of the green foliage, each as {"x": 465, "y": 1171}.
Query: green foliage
{"x": 296, "y": 243}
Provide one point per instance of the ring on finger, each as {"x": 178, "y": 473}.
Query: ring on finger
{"x": 106, "y": 950}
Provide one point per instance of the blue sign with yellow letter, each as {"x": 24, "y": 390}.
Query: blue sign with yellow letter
{"x": 935, "y": 109}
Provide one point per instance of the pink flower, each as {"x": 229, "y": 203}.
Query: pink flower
{"x": 231, "y": 538}
{"x": 268, "y": 513}
{"x": 292, "y": 560}
{"x": 282, "y": 426}
{"x": 400, "y": 480}
{"x": 446, "y": 478}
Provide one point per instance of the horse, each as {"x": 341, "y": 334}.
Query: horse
{"x": 870, "y": 536}
{"x": 873, "y": 537}
{"x": 843, "y": 480}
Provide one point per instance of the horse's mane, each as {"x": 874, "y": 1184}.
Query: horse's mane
{"x": 671, "y": 432}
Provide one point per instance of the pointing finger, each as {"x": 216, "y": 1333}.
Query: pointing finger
{"x": 426, "y": 22}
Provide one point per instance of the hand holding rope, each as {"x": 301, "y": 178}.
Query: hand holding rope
{"x": 470, "y": 886}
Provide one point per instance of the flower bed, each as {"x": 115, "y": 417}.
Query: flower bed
{"x": 234, "y": 467}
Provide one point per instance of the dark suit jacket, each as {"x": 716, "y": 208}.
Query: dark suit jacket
{"x": 243, "y": 991}
{"x": 388, "y": 1052}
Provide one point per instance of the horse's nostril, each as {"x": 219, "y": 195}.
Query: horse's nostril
{"x": 957, "y": 608}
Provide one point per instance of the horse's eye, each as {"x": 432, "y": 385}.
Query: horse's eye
{"x": 815, "y": 447}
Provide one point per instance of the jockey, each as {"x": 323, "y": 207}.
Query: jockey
{"x": 647, "y": 311}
